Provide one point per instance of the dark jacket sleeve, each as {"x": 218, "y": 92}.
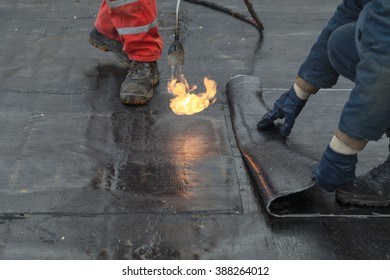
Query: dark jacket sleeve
{"x": 317, "y": 69}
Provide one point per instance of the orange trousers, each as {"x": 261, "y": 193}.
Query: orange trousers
{"x": 134, "y": 23}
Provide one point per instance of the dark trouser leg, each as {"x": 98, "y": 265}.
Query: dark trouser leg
{"x": 342, "y": 51}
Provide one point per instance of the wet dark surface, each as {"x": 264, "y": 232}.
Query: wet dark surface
{"x": 84, "y": 177}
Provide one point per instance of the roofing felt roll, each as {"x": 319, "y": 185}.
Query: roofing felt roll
{"x": 282, "y": 175}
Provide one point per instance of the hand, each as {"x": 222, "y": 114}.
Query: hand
{"x": 335, "y": 170}
{"x": 288, "y": 106}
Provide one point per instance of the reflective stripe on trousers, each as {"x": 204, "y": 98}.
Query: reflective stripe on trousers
{"x": 134, "y": 23}
{"x": 118, "y": 3}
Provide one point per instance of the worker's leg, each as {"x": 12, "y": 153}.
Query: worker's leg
{"x": 317, "y": 69}
{"x": 136, "y": 23}
{"x": 129, "y": 29}
{"x": 105, "y": 37}
{"x": 103, "y": 22}
{"x": 366, "y": 115}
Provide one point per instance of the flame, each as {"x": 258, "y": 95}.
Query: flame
{"x": 188, "y": 103}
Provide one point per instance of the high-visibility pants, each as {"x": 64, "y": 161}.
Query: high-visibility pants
{"x": 134, "y": 23}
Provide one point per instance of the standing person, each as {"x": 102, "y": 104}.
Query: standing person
{"x": 129, "y": 29}
{"x": 355, "y": 44}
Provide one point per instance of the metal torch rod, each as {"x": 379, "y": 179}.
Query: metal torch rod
{"x": 177, "y": 20}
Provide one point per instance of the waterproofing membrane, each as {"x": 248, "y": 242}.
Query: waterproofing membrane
{"x": 282, "y": 175}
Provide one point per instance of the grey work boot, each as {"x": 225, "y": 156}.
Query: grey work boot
{"x": 106, "y": 44}
{"x": 370, "y": 189}
{"x": 137, "y": 89}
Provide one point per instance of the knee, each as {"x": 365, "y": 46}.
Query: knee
{"x": 342, "y": 51}
{"x": 333, "y": 46}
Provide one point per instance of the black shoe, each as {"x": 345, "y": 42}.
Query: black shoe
{"x": 370, "y": 189}
{"x": 106, "y": 44}
{"x": 137, "y": 89}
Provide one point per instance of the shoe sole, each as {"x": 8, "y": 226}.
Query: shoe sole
{"x": 106, "y": 48}
{"x": 362, "y": 200}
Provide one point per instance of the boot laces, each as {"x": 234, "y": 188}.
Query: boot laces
{"x": 139, "y": 69}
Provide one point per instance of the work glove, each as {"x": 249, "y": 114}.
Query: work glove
{"x": 288, "y": 106}
{"x": 335, "y": 170}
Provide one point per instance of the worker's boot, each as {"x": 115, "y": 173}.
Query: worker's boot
{"x": 106, "y": 44}
{"x": 137, "y": 89}
{"x": 370, "y": 189}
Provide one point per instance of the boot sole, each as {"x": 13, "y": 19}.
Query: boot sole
{"x": 362, "y": 200}
{"x": 140, "y": 102}
{"x": 106, "y": 48}
{"x": 137, "y": 102}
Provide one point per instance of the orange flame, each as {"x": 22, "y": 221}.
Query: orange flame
{"x": 188, "y": 103}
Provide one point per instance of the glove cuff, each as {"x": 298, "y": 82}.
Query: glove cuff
{"x": 340, "y": 158}
{"x": 300, "y": 93}
{"x": 335, "y": 170}
{"x": 356, "y": 144}
{"x": 305, "y": 86}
